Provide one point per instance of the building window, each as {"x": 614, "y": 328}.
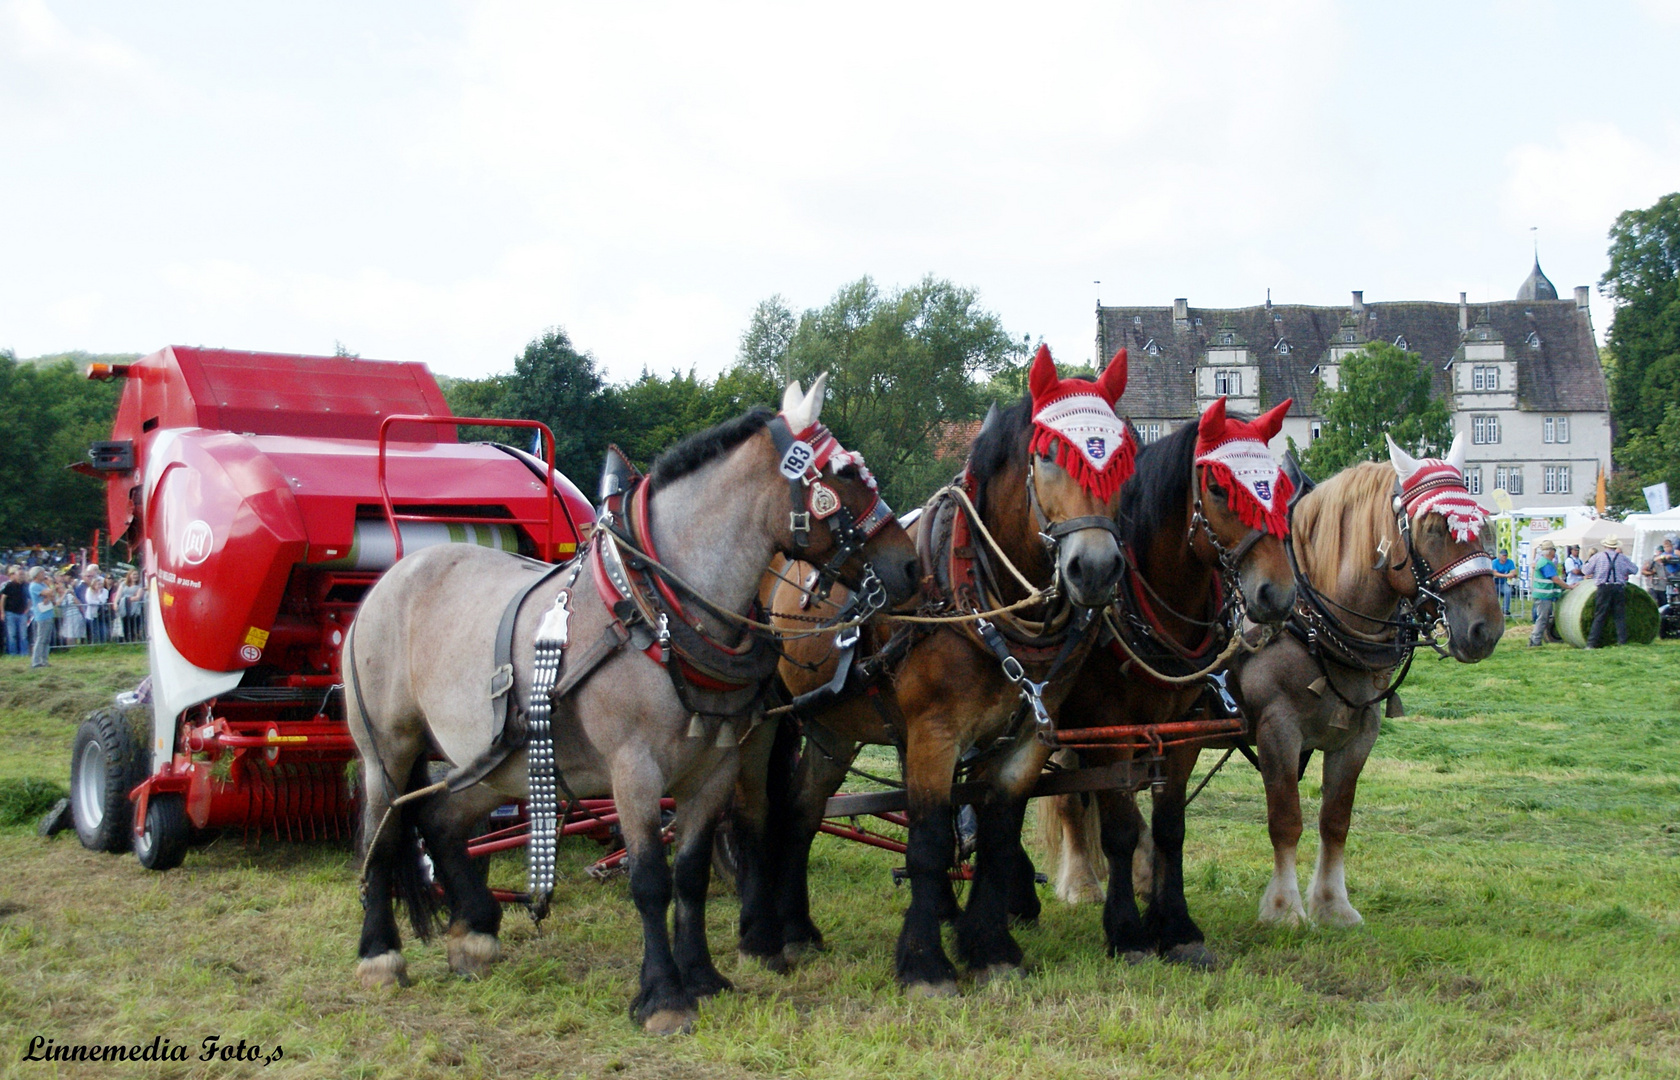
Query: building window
{"x": 1484, "y": 430}
{"x": 1137, "y": 320}
{"x": 1473, "y": 478}
{"x": 1149, "y": 431}
{"x": 1557, "y": 429}
{"x": 1400, "y": 342}
{"x": 1228, "y": 383}
{"x": 1484, "y": 377}
{"x": 1316, "y": 430}
{"x": 1226, "y": 339}
{"x": 1151, "y": 348}
{"x": 1283, "y": 348}
{"x": 1557, "y": 479}
{"x": 1533, "y": 340}
{"x": 1509, "y": 479}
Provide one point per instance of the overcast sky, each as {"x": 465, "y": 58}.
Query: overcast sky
{"x": 441, "y": 181}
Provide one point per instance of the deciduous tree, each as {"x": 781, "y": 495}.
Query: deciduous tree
{"x": 1381, "y": 390}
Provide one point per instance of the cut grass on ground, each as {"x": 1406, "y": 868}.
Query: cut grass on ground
{"x": 1516, "y": 854}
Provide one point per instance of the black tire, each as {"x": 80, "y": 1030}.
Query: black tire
{"x": 726, "y": 857}
{"x": 163, "y": 843}
{"x": 106, "y": 761}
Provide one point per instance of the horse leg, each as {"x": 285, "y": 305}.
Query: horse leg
{"x": 819, "y": 773}
{"x": 1024, "y": 905}
{"x": 983, "y": 938}
{"x": 923, "y": 968}
{"x": 1169, "y": 925}
{"x": 1327, "y": 895}
{"x": 1067, "y": 833}
{"x": 475, "y": 918}
{"x": 662, "y": 1005}
{"x": 765, "y": 754}
{"x": 1122, "y": 826}
{"x": 392, "y": 869}
{"x": 692, "y": 873}
{"x": 1279, "y": 747}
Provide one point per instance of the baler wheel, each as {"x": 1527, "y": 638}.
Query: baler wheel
{"x": 106, "y": 762}
{"x": 163, "y": 843}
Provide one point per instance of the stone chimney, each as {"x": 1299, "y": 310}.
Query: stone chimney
{"x": 1359, "y": 302}
{"x": 1463, "y": 313}
{"x": 1181, "y": 314}
{"x": 1583, "y": 294}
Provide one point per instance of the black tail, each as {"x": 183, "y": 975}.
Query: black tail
{"x": 410, "y": 882}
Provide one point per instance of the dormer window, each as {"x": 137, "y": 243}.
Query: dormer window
{"x": 1347, "y": 335}
{"x": 1533, "y": 339}
{"x": 1151, "y": 348}
{"x": 1400, "y": 342}
{"x": 1283, "y": 348}
{"x": 1227, "y": 339}
{"x": 1137, "y": 320}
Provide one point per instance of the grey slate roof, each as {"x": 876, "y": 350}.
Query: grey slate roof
{"x": 1537, "y": 286}
{"x": 1561, "y": 374}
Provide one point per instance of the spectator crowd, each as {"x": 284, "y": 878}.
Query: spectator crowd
{"x": 52, "y": 605}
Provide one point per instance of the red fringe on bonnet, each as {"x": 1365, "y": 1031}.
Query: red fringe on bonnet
{"x": 1248, "y": 509}
{"x": 1098, "y": 484}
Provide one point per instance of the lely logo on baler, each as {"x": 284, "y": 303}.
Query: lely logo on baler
{"x": 196, "y": 542}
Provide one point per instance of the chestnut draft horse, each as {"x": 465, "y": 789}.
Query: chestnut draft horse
{"x": 1202, "y": 525}
{"x": 1037, "y": 497}
{"x": 654, "y": 670}
{"x": 1319, "y": 687}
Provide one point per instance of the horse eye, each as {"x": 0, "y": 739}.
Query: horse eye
{"x": 1215, "y": 487}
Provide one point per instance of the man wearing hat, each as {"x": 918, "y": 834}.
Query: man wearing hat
{"x": 1663, "y": 569}
{"x": 1611, "y": 570}
{"x": 1547, "y": 583}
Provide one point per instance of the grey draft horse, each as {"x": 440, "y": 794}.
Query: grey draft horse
{"x": 419, "y": 666}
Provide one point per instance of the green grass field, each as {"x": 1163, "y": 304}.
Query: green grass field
{"x": 1516, "y": 854}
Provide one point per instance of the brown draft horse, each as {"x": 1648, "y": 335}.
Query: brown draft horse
{"x": 1320, "y": 686}
{"x": 1044, "y": 476}
{"x": 638, "y": 712}
{"x": 1202, "y": 526}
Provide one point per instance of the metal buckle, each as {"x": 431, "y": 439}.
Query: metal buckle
{"x": 1014, "y": 672}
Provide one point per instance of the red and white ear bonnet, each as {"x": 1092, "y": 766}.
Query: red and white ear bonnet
{"x": 1234, "y": 454}
{"x": 1075, "y": 426}
{"x": 1434, "y": 486}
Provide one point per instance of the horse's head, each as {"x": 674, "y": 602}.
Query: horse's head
{"x": 838, "y": 521}
{"x": 1446, "y": 560}
{"x": 1079, "y": 455}
{"x": 1240, "y": 512}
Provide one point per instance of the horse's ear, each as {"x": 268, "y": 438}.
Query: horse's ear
{"x": 1212, "y": 426}
{"x": 814, "y": 400}
{"x": 1271, "y": 421}
{"x": 1112, "y": 382}
{"x": 1404, "y": 463}
{"x": 792, "y": 398}
{"x": 991, "y": 419}
{"x": 1044, "y": 379}
{"x": 1455, "y": 456}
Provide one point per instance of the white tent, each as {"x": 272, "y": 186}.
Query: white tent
{"x": 1648, "y": 533}
{"x": 1592, "y": 533}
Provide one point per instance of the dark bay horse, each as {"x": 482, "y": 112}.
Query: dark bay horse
{"x": 1044, "y": 477}
{"x": 658, "y": 717}
{"x": 1322, "y": 686}
{"x": 1202, "y": 524}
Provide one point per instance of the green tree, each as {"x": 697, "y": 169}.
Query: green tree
{"x": 1643, "y": 281}
{"x": 902, "y": 368}
{"x": 555, "y": 383}
{"x": 51, "y": 413}
{"x": 1381, "y": 390}
{"x": 765, "y": 344}
{"x": 479, "y": 397}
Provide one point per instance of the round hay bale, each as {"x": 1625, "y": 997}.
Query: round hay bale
{"x": 1575, "y": 616}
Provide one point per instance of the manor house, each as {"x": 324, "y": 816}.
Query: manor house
{"x": 1522, "y": 375}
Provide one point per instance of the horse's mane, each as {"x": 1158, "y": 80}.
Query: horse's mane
{"x": 1149, "y": 498}
{"x": 706, "y": 446}
{"x": 1339, "y": 525}
{"x": 995, "y": 447}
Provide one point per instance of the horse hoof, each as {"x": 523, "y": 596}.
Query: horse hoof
{"x": 1000, "y": 973}
{"x": 386, "y": 969}
{"x": 1191, "y": 954}
{"x": 670, "y": 1022}
{"x": 775, "y": 962}
{"x": 945, "y": 988}
{"x": 1340, "y": 916}
{"x": 1137, "y": 956}
{"x": 1281, "y": 914}
{"x": 472, "y": 954}
{"x": 797, "y": 952}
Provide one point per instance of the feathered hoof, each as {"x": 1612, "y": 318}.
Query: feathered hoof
{"x": 386, "y": 969}
{"x": 1191, "y": 954}
{"x": 795, "y": 953}
{"x": 1135, "y": 957}
{"x": 670, "y": 1022}
{"x": 1000, "y": 973}
{"x": 1338, "y": 916}
{"x": 472, "y": 954}
{"x": 945, "y": 988}
{"x": 775, "y": 962}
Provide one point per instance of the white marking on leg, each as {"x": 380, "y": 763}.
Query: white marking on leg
{"x": 1281, "y": 903}
{"x": 386, "y": 969}
{"x": 471, "y": 954}
{"x": 1327, "y": 894}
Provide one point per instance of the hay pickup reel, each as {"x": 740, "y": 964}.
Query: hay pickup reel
{"x": 264, "y": 494}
